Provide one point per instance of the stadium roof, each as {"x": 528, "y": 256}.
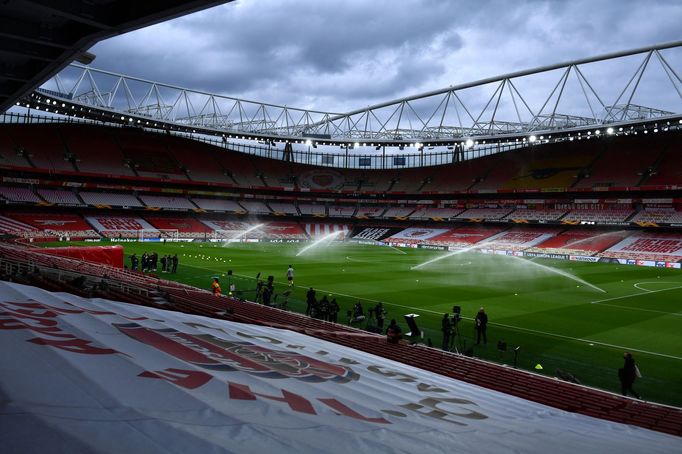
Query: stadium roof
{"x": 39, "y": 38}
{"x": 597, "y": 95}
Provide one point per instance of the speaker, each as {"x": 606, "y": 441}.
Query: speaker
{"x": 412, "y": 323}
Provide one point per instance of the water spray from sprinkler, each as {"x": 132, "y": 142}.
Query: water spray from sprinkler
{"x": 325, "y": 239}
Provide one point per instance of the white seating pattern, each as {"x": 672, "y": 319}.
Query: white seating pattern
{"x": 665, "y": 215}
{"x": 341, "y": 211}
{"x": 484, "y": 213}
{"x": 218, "y": 205}
{"x": 15, "y": 194}
{"x": 113, "y": 199}
{"x": 59, "y": 197}
{"x": 167, "y": 202}
{"x": 312, "y": 210}
{"x": 615, "y": 215}
{"x": 279, "y": 207}
{"x": 395, "y": 212}
{"x": 536, "y": 215}
{"x": 255, "y": 207}
{"x": 429, "y": 213}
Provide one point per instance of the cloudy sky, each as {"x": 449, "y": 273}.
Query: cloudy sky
{"x": 337, "y": 55}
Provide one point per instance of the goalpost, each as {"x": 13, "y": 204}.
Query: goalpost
{"x": 158, "y": 235}
{"x": 223, "y": 236}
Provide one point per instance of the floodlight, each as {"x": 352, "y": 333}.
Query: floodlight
{"x": 309, "y": 142}
{"x": 532, "y": 138}
{"x": 469, "y": 143}
{"x": 597, "y": 132}
{"x": 609, "y": 131}
{"x": 356, "y": 144}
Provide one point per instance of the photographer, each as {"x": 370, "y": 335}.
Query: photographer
{"x": 394, "y": 333}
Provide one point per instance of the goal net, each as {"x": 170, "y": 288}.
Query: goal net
{"x": 224, "y": 235}
{"x": 158, "y": 235}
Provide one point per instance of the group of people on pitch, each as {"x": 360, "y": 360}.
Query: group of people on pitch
{"x": 149, "y": 262}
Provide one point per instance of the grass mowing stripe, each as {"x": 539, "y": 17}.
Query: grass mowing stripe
{"x": 603, "y": 344}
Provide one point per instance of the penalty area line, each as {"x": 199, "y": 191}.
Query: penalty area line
{"x": 635, "y": 294}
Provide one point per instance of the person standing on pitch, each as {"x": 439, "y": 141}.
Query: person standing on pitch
{"x": 290, "y": 275}
{"x": 628, "y": 374}
{"x": 446, "y": 328}
{"x": 481, "y": 326}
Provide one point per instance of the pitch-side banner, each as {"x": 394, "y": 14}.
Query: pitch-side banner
{"x": 81, "y": 375}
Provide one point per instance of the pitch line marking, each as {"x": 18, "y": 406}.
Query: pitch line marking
{"x": 543, "y": 333}
{"x": 635, "y": 294}
{"x": 604, "y": 344}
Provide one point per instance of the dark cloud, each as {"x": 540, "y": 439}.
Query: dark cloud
{"x": 340, "y": 55}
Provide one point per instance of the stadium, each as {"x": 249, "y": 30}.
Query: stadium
{"x": 184, "y": 270}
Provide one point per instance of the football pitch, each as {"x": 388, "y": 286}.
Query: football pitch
{"x": 573, "y": 316}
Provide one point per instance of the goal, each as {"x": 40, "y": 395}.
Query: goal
{"x": 158, "y": 235}
{"x": 223, "y": 235}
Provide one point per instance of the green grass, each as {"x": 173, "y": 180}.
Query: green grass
{"x": 557, "y": 322}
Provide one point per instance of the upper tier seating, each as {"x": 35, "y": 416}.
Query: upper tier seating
{"x": 19, "y": 194}
{"x": 244, "y": 174}
{"x": 341, "y": 211}
{"x": 457, "y": 177}
{"x": 608, "y": 215}
{"x": 624, "y": 162}
{"x": 174, "y": 203}
{"x": 199, "y": 160}
{"x": 59, "y": 197}
{"x": 662, "y": 215}
{"x": 96, "y": 150}
{"x": 9, "y": 156}
{"x": 219, "y": 205}
{"x": 255, "y": 207}
{"x": 285, "y": 208}
{"x": 369, "y": 211}
{"x": 435, "y": 213}
{"x": 44, "y": 146}
{"x": 310, "y": 209}
{"x": 110, "y": 199}
{"x": 668, "y": 171}
{"x": 536, "y": 215}
{"x": 398, "y": 212}
{"x": 149, "y": 155}
{"x": 555, "y": 166}
{"x": 484, "y": 213}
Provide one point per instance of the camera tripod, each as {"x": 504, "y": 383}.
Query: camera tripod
{"x": 455, "y": 338}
